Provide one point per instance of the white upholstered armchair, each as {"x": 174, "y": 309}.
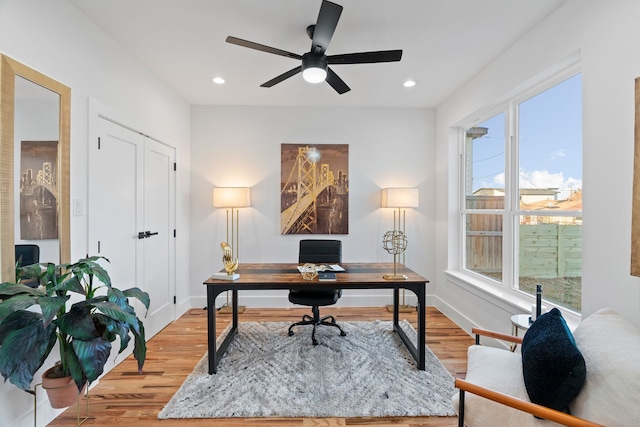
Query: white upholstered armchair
{"x": 494, "y": 391}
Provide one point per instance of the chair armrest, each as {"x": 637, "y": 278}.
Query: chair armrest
{"x": 497, "y": 335}
{"x": 522, "y": 405}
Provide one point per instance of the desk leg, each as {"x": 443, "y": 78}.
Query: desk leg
{"x": 234, "y": 295}
{"x": 417, "y": 351}
{"x": 396, "y": 307}
{"x": 422, "y": 325}
{"x": 211, "y": 329}
{"x": 216, "y": 352}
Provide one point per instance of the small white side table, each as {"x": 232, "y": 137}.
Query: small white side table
{"x": 519, "y": 321}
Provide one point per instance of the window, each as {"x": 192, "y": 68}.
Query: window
{"x": 522, "y": 194}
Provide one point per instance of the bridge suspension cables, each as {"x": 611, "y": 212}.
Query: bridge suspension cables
{"x": 46, "y": 178}
{"x": 301, "y": 215}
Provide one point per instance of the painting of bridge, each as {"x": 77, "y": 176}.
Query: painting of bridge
{"x": 314, "y": 189}
{"x": 38, "y": 190}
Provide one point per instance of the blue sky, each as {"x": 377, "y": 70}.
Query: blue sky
{"x": 550, "y": 142}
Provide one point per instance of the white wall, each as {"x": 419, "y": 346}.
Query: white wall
{"x": 54, "y": 38}
{"x": 603, "y": 33}
{"x": 240, "y": 146}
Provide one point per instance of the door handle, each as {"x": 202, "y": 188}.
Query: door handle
{"x": 145, "y": 234}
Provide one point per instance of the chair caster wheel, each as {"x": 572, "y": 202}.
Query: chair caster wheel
{"x": 290, "y": 333}
{"x": 343, "y": 334}
{"x": 315, "y": 342}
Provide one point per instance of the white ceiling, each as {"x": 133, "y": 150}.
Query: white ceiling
{"x": 444, "y": 43}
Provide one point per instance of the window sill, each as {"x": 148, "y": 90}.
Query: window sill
{"x": 508, "y": 299}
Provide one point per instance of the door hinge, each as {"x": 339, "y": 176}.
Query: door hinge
{"x": 174, "y": 299}
{"x": 98, "y": 143}
{"x": 174, "y": 232}
{"x": 98, "y": 246}
{"x": 175, "y": 166}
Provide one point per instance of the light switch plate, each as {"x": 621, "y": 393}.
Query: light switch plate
{"x": 78, "y": 207}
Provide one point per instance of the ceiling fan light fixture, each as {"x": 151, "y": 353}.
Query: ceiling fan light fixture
{"x": 314, "y": 75}
{"x": 314, "y": 69}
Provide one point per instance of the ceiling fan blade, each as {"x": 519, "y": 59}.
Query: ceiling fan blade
{"x": 325, "y": 26}
{"x": 336, "y": 82}
{"x": 282, "y": 77}
{"x": 366, "y": 57}
{"x": 261, "y": 47}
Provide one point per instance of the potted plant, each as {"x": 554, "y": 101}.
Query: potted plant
{"x": 84, "y": 329}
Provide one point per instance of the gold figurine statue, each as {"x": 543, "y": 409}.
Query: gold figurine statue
{"x": 227, "y": 259}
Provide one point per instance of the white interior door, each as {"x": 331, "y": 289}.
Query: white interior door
{"x": 159, "y": 225}
{"x": 132, "y": 216}
{"x": 115, "y": 205}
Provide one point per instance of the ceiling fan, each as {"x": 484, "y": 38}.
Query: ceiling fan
{"x": 315, "y": 63}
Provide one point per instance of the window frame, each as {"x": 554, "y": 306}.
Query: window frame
{"x": 511, "y": 213}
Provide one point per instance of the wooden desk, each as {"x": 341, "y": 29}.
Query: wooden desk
{"x": 286, "y": 276}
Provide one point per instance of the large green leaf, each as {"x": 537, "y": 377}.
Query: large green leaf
{"x": 8, "y": 290}
{"x": 74, "y": 367}
{"x": 25, "y": 346}
{"x": 51, "y": 307}
{"x": 77, "y": 322}
{"x": 92, "y": 356}
{"x": 116, "y": 296}
{"x": 73, "y": 284}
{"x": 16, "y": 302}
{"x": 140, "y": 347}
{"x": 139, "y": 294}
{"x": 110, "y": 329}
{"x": 89, "y": 267}
{"x": 114, "y": 311}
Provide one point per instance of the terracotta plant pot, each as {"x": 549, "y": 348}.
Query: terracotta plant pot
{"x": 62, "y": 392}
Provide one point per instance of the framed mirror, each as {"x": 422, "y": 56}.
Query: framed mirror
{"x": 34, "y": 165}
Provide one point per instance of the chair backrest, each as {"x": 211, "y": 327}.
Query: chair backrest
{"x": 320, "y": 251}
{"x": 27, "y": 254}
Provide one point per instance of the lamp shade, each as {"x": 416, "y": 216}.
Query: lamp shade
{"x": 231, "y": 197}
{"x": 399, "y": 198}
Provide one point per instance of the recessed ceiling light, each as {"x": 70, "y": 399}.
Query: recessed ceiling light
{"x": 409, "y": 83}
{"x": 218, "y": 80}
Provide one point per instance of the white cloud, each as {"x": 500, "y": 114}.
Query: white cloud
{"x": 543, "y": 179}
{"x": 558, "y": 154}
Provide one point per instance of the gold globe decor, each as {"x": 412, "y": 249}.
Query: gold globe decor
{"x": 395, "y": 243}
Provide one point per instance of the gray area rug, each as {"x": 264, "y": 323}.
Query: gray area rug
{"x": 266, "y": 373}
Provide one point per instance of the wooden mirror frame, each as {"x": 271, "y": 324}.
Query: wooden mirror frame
{"x": 9, "y": 69}
{"x": 635, "y": 212}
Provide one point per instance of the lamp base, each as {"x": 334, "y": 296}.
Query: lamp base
{"x": 401, "y": 308}
{"x": 395, "y": 277}
{"x": 225, "y": 276}
{"x": 228, "y": 309}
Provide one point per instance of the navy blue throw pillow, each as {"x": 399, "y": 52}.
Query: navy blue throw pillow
{"x": 553, "y": 367}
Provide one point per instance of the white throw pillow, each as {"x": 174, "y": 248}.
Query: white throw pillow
{"x": 611, "y": 349}
{"x": 499, "y": 370}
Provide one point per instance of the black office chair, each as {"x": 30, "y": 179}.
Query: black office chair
{"x": 27, "y": 255}
{"x": 317, "y": 252}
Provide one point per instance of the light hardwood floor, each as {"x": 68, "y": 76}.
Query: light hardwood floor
{"x": 125, "y": 397}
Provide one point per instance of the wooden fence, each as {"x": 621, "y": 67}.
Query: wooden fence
{"x": 547, "y": 250}
{"x": 550, "y": 250}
